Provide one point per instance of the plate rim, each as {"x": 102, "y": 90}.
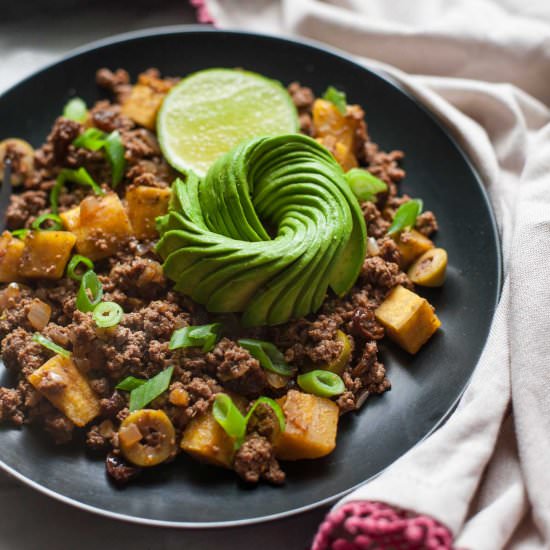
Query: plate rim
{"x": 378, "y": 72}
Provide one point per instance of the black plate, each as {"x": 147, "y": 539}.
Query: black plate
{"x": 425, "y": 387}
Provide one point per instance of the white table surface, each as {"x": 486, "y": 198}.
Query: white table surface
{"x": 25, "y": 45}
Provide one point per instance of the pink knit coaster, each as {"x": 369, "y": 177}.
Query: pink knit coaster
{"x": 378, "y": 526}
{"x": 203, "y": 14}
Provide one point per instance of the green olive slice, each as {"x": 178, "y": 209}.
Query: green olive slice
{"x": 147, "y": 437}
{"x": 430, "y": 268}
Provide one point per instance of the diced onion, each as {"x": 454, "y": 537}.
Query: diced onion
{"x": 361, "y": 399}
{"x": 106, "y": 429}
{"x": 11, "y": 292}
{"x": 39, "y": 314}
{"x": 129, "y": 435}
{"x": 275, "y": 380}
{"x": 372, "y": 247}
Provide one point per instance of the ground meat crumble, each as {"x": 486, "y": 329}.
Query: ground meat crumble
{"x": 139, "y": 345}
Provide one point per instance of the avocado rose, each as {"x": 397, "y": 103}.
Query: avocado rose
{"x": 270, "y": 228}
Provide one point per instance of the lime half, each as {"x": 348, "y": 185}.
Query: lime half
{"x": 211, "y": 111}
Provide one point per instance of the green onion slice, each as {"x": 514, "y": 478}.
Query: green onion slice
{"x": 364, "y": 185}
{"x": 75, "y": 261}
{"x": 76, "y": 109}
{"x": 150, "y": 390}
{"x": 92, "y": 139}
{"x": 20, "y": 233}
{"x": 274, "y": 406}
{"x": 229, "y": 417}
{"x": 406, "y": 215}
{"x": 48, "y": 344}
{"x": 322, "y": 383}
{"x": 130, "y": 383}
{"x": 107, "y": 314}
{"x": 234, "y": 423}
{"x": 337, "y": 98}
{"x": 115, "y": 155}
{"x": 204, "y": 336}
{"x": 80, "y": 176}
{"x": 268, "y": 355}
{"x": 92, "y": 285}
{"x": 56, "y": 226}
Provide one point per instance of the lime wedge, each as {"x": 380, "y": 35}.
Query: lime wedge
{"x": 211, "y": 111}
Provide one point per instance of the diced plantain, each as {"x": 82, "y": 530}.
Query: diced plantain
{"x": 11, "y": 250}
{"x": 59, "y": 381}
{"x": 207, "y": 441}
{"x": 430, "y": 268}
{"x": 145, "y": 99}
{"x": 144, "y": 205}
{"x": 409, "y": 320}
{"x": 311, "y": 426}
{"x": 71, "y": 218}
{"x": 135, "y": 446}
{"x": 412, "y": 244}
{"x": 46, "y": 254}
{"x": 104, "y": 226}
{"x": 337, "y": 132}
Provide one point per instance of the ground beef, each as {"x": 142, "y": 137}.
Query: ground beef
{"x": 119, "y": 470}
{"x": 58, "y": 426}
{"x": 108, "y": 117}
{"x": 20, "y": 161}
{"x": 112, "y": 405}
{"x": 61, "y": 296}
{"x": 24, "y": 207}
{"x": 305, "y": 342}
{"x": 303, "y": 98}
{"x": 389, "y": 251}
{"x": 11, "y": 406}
{"x": 139, "y": 144}
{"x": 16, "y": 317}
{"x": 365, "y": 325}
{"x": 238, "y": 370}
{"x": 384, "y": 165}
{"x": 141, "y": 277}
{"x": 63, "y": 133}
{"x": 377, "y": 226}
{"x": 21, "y": 354}
{"x": 117, "y": 82}
{"x": 382, "y": 276}
{"x": 426, "y": 223}
{"x": 255, "y": 459}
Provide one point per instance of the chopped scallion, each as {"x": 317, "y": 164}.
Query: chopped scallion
{"x": 204, "y": 336}
{"x": 107, "y": 314}
{"x": 364, "y": 185}
{"x": 322, "y": 383}
{"x": 337, "y": 98}
{"x": 268, "y": 355}
{"x": 89, "y": 286}
{"x": 20, "y": 233}
{"x": 73, "y": 264}
{"x": 150, "y": 390}
{"x": 406, "y": 215}
{"x": 48, "y": 344}
{"x": 57, "y": 224}
{"x": 80, "y": 176}
{"x": 130, "y": 383}
{"x": 76, "y": 109}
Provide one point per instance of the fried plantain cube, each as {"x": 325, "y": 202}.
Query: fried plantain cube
{"x": 71, "y": 218}
{"x": 311, "y": 426}
{"x": 409, "y": 320}
{"x": 144, "y": 205}
{"x": 59, "y": 381}
{"x": 46, "y": 254}
{"x": 11, "y": 250}
{"x": 104, "y": 226}
{"x": 207, "y": 441}
{"x": 411, "y": 245}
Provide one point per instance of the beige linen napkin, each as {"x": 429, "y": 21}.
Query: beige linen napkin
{"x": 484, "y": 474}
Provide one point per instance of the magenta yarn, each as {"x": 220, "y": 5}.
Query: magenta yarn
{"x": 378, "y": 526}
{"x": 203, "y": 13}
